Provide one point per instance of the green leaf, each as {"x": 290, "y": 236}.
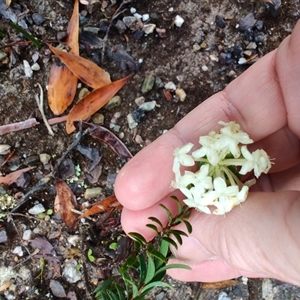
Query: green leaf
{"x": 130, "y": 262}
{"x": 143, "y": 268}
{"x": 172, "y": 266}
{"x": 26, "y": 34}
{"x": 156, "y": 221}
{"x": 163, "y": 250}
{"x": 104, "y": 285}
{"x": 188, "y": 226}
{"x": 153, "y": 227}
{"x": 154, "y": 284}
{"x": 138, "y": 237}
{"x": 179, "y": 205}
{"x": 156, "y": 254}
{"x": 150, "y": 269}
{"x": 170, "y": 241}
{"x": 170, "y": 217}
{"x": 131, "y": 287}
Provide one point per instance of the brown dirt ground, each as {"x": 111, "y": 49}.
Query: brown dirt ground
{"x": 171, "y": 58}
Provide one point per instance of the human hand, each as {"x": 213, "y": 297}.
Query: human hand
{"x": 261, "y": 238}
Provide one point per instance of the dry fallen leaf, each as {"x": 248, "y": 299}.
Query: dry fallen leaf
{"x": 106, "y": 136}
{"x": 64, "y": 202}
{"x": 12, "y": 177}
{"x": 220, "y": 284}
{"x": 62, "y": 82}
{"x": 93, "y": 102}
{"x": 85, "y": 70}
{"x": 108, "y": 204}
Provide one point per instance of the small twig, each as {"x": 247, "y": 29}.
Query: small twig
{"x": 40, "y": 103}
{"x": 42, "y": 183}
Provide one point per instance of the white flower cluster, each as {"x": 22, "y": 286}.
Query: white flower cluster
{"x": 220, "y": 161}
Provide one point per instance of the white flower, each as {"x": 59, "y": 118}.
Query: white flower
{"x": 208, "y": 149}
{"x": 182, "y": 158}
{"x": 230, "y": 138}
{"x": 257, "y": 160}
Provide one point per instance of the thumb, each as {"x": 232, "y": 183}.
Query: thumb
{"x": 259, "y": 239}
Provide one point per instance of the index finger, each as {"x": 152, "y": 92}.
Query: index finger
{"x": 254, "y": 100}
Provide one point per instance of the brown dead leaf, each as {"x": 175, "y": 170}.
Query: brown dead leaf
{"x": 219, "y": 285}
{"x": 108, "y": 204}
{"x": 12, "y": 177}
{"x": 85, "y": 70}
{"x": 62, "y": 82}
{"x": 61, "y": 88}
{"x": 64, "y": 202}
{"x": 93, "y": 102}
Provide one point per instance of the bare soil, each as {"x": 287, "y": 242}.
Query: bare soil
{"x": 199, "y": 57}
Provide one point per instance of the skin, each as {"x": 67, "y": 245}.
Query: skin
{"x": 261, "y": 238}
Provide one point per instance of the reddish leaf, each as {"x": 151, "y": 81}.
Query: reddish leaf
{"x": 64, "y": 202}
{"x": 106, "y": 136}
{"x": 93, "y": 102}
{"x": 85, "y": 70}
{"x": 62, "y": 82}
{"x": 61, "y": 88}
{"x": 108, "y": 204}
{"x": 12, "y": 177}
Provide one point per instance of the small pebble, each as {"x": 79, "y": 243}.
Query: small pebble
{"x": 132, "y": 10}
{"x": 145, "y": 17}
{"x": 247, "y": 22}
{"x": 4, "y": 149}
{"x": 113, "y": 102}
{"x": 92, "y": 193}
{"x": 27, "y": 235}
{"x": 149, "y": 28}
{"x": 35, "y": 67}
{"x": 27, "y": 69}
{"x": 71, "y": 272}
{"x": 220, "y": 21}
{"x": 139, "y": 100}
{"x": 37, "y": 209}
{"x": 170, "y": 86}
{"x": 38, "y": 19}
{"x": 131, "y": 123}
{"x": 148, "y": 106}
{"x": 148, "y": 84}
{"x": 213, "y": 57}
{"x": 45, "y": 158}
{"x": 129, "y": 21}
{"x": 178, "y": 21}
{"x": 18, "y": 251}
{"x": 204, "y": 68}
{"x": 180, "y": 94}
{"x": 137, "y": 16}
{"x": 98, "y": 118}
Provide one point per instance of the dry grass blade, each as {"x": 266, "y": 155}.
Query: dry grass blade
{"x": 108, "y": 204}
{"x": 85, "y": 70}
{"x": 62, "y": 82}
{"x": 220, "y": 284}
{"x": 93, "y": 102}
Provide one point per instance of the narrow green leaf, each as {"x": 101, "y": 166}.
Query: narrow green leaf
{"x": 172, "y": 266}
{"x": 156, "y": 221}
{"x": 170, "y": 241}
{"x": 104, "y": 285}
{"x": 188, "y": 226}
{"x": 164, "y": 250}
{"x": 111, "y": 295}
{"x": 159, "y": 256}
{"x": 154, "y": 284}
{"x": 150, "y": 269}
{"x": 143, "y": 268}
{"x": 26, "y": 34}
{"x": 153, "y": 227}
{"x": 138, "y": 237}
{"x": 170, "y": 217}
{"x": 179, "y": 205}
{"x": 177, "y": 236}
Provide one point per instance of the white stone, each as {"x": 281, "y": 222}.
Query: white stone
{"x": 27, "y": 235}
{"x": 137, "y": 16}
{"x": 19, "y": 251}
{"x": 145, "y": 17}
{"x": 170, "y": 86}
{"x": 180, "y": 94}
{"x": 147, "y": 106}
{"x": 27, "y": 69}
{"x": 149, "y": 28}
{"x": 132, "y": 10}
{"x": 178, "y": 21}
{"x": 204, "y": 68}
{"x": 37, "y": 209}
{"x": 35, "y": 67}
